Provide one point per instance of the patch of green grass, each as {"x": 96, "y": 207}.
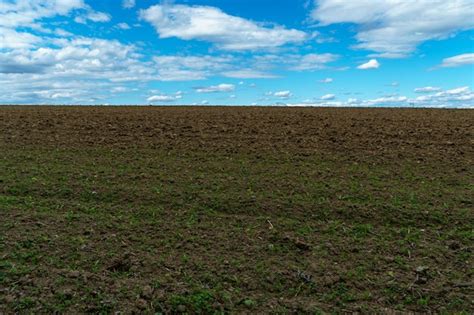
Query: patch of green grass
{"x": 198, "y": 302}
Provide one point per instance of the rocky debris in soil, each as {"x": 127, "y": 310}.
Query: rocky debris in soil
{"x": 421, "y": 274}
{"x": 296, "y": 242}
{"x": 141, "y": 304}
{"x": 306, "y": 277}
{"x": 121, "y": 264}
{"x": 147, "y": 292}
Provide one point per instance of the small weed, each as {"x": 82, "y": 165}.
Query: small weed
{"x": 199, "y": 302}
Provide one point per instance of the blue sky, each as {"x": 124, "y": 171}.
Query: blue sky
{"x": 228, "y": 52}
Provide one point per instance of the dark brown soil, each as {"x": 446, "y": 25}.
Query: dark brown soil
{"x": 391, "y": 132}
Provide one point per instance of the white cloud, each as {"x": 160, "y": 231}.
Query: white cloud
{"x": 283, "y": 94}
{"x": 328, "y": 97}
{"x": 211, "y": 24}
{"x": 62, "y": 33}
{"x": 76, "y": 70}
{"x": 318, "y": 104}
{"x": 457, "y": 61}
{"x": 458, "y": 91}
{"x": 11, "y": 39}
{"x": 457, "y": 97}
{"x": 163, "y": 98}
{"x": 216, "y": 88}
{"x": 98, "y": 17}
{"x": 30, "y": 14}
{"x": 94, "y": 16}
{"x": 198, "y": 67}
{"x": 371, "y": 64}
{"x": 352, "y": 102}
{"x": 391, "y": 100}
{"x": 123, "y": 26}
{"x": 82, "y": 55}
{"x": 119, "y": 89}
{"x": 64, "y": 6}
{"x": 461, "y": 97}
{"x": 185, "y": 68}
{"x": 427, "y": 89}
{"x": 26, "y": 13}
{"x": 128, "y": 4}
{"x": 327, "y": 80}
{"x": 293, "y": 62}
{"x": 313, "y": 62}
{"x": 248, "y": 74}
{"x": 394, "y": 28}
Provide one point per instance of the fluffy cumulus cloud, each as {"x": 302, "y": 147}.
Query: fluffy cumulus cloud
{"x": 123, "y": 26}
{"x": 89, "y": 56}
{"x": 457, "y": 61}
{"x": 40, "y": 64}
{"x": 98, "y": 17}
{"x": 77, "y": 69}
{"x": 12, "y": 39}
{"x": 458, "y": 97}
{"x": 43, "y": 61}
{"x": 27, "y": 13}
{"x": 128, "y": 4}
{"x": 394, "y": 28}
{"x": 461, "y": 97}
{"x": 16, "y": 16}
{"x": 163, "y": 98}
{"x": 49, "y": 65}
{"x": 283, "y": 94}
{"x": 213, "y": 25}
{"x": 371, "y": 64}
{"x": 223, "y": 87}
{"x": 31, "y": 13}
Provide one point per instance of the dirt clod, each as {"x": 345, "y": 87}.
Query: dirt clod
{"x": 147, "y": 292}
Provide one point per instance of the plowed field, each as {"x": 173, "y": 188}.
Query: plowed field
{"x": 235, "y": 210}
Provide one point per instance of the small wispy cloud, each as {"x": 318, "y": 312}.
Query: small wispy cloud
{"x": 427, "y": 89}
{"x": 328, "y": 97}
{"x": 457, "y": 61}
{"x": 371, "y": 64}
{"x": 283, "y": 94}
{"x": 249, "y": 74}
{"x": 128, "y": 4}
{"x": 94, "y": 16}
{"x": 163, "y": 98}
{"x": 123, "y": 26}
{"x": 216, "y": 88}
{"x": 326, "y": 80}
